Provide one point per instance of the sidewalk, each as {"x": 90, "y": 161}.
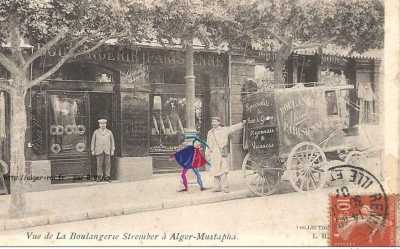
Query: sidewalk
{"x": 116, "y": 198}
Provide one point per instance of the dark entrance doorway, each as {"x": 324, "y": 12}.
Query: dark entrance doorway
{"x": 100, "y": 107}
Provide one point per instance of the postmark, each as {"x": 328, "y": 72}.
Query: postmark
{"x": 360, "y": 211}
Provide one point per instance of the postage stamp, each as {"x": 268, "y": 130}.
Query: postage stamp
{"x": 361, "y": 213}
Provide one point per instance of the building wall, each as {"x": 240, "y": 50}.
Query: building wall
{"x": 136, "y": 75}
{"x": 367, "y": 74}
{"x": 242, "y": 69}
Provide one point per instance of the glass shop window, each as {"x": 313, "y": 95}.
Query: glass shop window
{"x": 331, "y": 103}
{"x": 168, "y": 121}
{"x": 68, "y": 125}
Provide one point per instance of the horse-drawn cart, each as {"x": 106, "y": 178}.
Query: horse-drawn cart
{"x": 296, "y": 131}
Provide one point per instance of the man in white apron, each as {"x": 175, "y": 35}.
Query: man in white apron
{"x": 217, "y": 153}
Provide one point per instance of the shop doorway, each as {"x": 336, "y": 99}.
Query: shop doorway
{"x": 100, "y": 107}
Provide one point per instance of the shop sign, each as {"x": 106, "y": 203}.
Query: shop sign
{"x": 144, "y": 56}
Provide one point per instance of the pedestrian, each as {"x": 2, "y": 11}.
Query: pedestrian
{"x": 217, "y": 152}
{"x": 103, "y": 147}
{"x": 191, "y": 157}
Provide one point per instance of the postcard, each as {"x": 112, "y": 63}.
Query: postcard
{"x": 199, "y": 123}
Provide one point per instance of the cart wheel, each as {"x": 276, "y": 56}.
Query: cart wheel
{"x": 261, "y": 178}
{"x": 356, "y": 158}
{"x": 306, "y": 167}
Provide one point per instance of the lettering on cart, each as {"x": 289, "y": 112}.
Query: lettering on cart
{"x": 263, "y": 146}
{"x": 264, "y": 103}
{"x": 261, "y": 132}
{"x": 295, "y": 104}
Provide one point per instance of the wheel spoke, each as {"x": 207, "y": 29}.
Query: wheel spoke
{"x": 258, "y": 182}
{"x": 256, "y": 179}
{"x": 306, "y": 161}
{"x": 268, "y": 183}
{"x": 301, "y": 183}
{"x": 313, "y": 181}
{"x": 260, "y": 177}
{"x": 263, "y": 185}
{"x": 300, "y": 179}
{"x": 317, "y": 170}
{"x": 272, "y": 184}
{"x": 308, "y": 180}
{"x": 301, "y": 171}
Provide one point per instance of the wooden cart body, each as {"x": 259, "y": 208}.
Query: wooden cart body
{"x": 292, "y": 129}
{"x": 280, "y": 119}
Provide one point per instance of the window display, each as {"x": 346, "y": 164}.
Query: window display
{"x": 168, "y": 121}
{"x": 68, "y": 120}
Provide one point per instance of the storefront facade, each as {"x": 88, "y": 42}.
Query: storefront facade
{"x": 140, "y": 91}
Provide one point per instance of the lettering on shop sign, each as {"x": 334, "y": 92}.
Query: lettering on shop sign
{"x": 146, "y": 57}
{"x": 136, "y": 73}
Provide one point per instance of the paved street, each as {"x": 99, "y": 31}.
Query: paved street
{"x": 143, "y": 213}
{"x": 253, "y": 221}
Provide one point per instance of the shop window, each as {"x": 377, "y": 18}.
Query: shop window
{"x": 168, "y": 121}
{"x": 68, "y": 125}
{"x": 331, "y": 102}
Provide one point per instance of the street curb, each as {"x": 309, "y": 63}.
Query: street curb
{"x": 27, "y": 222}
{"x": 102, "y": 213}
{"x": 142, "y": 208}
{"x": 56, "y": 219}
{"x": 97, "y": 213}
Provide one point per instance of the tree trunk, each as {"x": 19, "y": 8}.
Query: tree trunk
{"x": 18, "y": 128}
{"x": 282, "y": 56}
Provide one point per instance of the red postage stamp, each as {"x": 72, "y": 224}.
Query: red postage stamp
{"x": 363, "y": 220}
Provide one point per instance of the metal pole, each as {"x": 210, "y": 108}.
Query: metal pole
{"x": 189, "y": 86}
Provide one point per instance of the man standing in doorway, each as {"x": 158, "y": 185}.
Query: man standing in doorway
{"x": 103, "y": 148}
{"x": 217, "y": 153}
